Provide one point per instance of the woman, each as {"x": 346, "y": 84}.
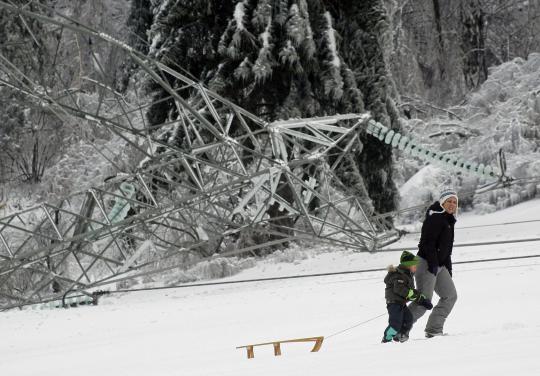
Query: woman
{"x": 434, "y": 271}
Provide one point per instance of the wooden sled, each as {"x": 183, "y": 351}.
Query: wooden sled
{"x": 277, "y": 345}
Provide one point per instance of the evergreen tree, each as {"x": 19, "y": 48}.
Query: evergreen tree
{"x": 333, "y": 82}
{"x": 284, "y": 53}
{"x": 22, "y": 41}
{"x": 286, "y": 58}
{"x": 28, "y": 135}
{"x": 363, "y": 26}
{"x": 139, "y": 20}
{"x": 473, "y": 43}
{"x": 184, "y": 35}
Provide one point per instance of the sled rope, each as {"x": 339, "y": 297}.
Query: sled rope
{"x": 354, "y": 326}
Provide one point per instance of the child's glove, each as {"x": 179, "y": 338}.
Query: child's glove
{"x": 424, "y": 302}
{"x": 412, "y": 295}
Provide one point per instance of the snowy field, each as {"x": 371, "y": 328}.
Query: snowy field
{"x": 493, "y": 330}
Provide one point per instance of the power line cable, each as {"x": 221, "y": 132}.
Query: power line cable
{"x": 276, "y": 279}
{"x": 481, "y": 226}
{"x": 476, "y": 244}
{"x": 307, "y": 275}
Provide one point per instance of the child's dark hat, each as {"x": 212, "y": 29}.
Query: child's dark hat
{"x": 408, "y": 259}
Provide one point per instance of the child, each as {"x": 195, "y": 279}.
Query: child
{"x": 400, "y": 289}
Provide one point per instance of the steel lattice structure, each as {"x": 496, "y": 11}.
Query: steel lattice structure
{"x": 234, "y": 178}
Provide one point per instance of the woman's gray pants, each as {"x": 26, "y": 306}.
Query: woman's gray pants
{"x": 443, "y": 286}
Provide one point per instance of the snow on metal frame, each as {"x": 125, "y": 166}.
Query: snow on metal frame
{"x": 201, "y": 198}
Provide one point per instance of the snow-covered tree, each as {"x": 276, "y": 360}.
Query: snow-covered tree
{"x": 282, "y": 59}
{"x": 473, "y": 41}
{"x": 184, "y": 35}
{"x": 363, "y": 27}
{"x": 333, "y": 82}
{"x": 139, "y": 20}
{"x": 28, "y": 136}
{"x": 443, "y": 49}
{"x": 291, "y": 49}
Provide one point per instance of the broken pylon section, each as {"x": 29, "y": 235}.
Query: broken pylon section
{"x": 277, "y": 345}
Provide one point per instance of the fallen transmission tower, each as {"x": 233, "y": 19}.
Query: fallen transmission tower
{"x": 234, "y": 178}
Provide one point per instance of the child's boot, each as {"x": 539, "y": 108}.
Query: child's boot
{"x": 389, "y": 334}
{"x": 401, "y": 337}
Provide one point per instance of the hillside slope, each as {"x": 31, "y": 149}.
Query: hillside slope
{"x": 194, "y": 331}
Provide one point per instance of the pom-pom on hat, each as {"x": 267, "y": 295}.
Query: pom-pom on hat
{"x": 408, "y": 259}
{"x": 446, "y": 194}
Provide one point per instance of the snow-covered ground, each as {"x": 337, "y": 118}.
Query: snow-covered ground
{"x": 493, "y": 330}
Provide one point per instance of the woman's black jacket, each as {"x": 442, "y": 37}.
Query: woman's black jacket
{"x": 437, "y": 238}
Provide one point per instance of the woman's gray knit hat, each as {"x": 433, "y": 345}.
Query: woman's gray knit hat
{"x": 446, "y": 194}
